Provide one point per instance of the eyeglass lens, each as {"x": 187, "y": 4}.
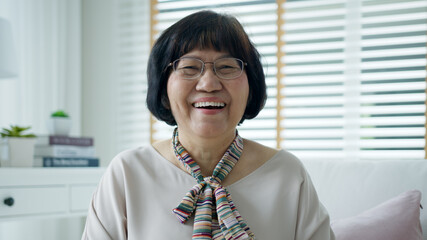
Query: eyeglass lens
{"x": 226, "y": 68}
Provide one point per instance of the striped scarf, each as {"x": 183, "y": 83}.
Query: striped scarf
{"x": 216, "y": 216}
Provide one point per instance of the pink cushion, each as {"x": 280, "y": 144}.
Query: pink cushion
{"x": 395, "y": 219}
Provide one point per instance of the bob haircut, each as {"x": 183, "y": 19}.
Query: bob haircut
{"x": 203, "y": 30}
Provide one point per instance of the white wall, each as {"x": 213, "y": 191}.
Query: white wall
{"x": 99, "y": 73}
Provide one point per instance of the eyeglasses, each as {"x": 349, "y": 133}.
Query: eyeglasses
{"x": 191, "y": 68}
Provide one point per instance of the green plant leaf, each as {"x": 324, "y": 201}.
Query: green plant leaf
{"x": 6, "y": 131}
{"x": 16, "y": 131}
{"x": 59, "y": 113}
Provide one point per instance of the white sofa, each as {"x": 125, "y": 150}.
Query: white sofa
{"x": 347, "y": 188}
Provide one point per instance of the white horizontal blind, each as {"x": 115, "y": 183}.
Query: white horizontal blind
{"x": 314, "y": 83}
{"x": 393, "y": 79}
{"x": 133, "y": 47}
{"x": 354, "y": 85}
{"x": 259, "y": 19}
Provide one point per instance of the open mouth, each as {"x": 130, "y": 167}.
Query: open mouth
{"x": 209, "y": 105}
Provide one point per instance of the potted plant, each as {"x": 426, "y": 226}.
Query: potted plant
{"x": 59, "y": 123}
{"x": 16, "y": 147}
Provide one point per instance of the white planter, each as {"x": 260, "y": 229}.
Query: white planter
{"x": 59, "y": 126}
{"x": 17, "y": 152}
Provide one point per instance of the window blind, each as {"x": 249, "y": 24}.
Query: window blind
{"x": 314, "y": 86}
{"x": 133, "y": 47}
{"x": 354, "y": 79}
{"x": 393, "y": 79}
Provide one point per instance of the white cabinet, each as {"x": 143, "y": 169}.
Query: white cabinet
{"x": 27, "y": 193}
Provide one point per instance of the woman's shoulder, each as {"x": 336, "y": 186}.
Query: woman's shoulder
{"x": 138, "y": 162}
{"x": 255, "y": 150}
{"x": 131, "y": 156}
{"x": 253, "y": 157}
{"x": 260, "y": 159}
{"x": 136, "y": 152}
{"x": 262, "y": 154}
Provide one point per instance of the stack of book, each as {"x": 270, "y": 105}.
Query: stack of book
{"x": 65, "y": 151}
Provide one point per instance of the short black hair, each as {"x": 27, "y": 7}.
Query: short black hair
{"x": 203, "y": 30}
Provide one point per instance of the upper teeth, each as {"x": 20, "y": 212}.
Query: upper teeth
{"x": 209, "y": 104}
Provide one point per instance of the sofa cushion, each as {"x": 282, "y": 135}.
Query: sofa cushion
{"x": 348, "y": 188}
{"x": 395, "y": 219}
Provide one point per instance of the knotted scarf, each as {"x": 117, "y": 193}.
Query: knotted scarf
{"x": 215, "y": 215}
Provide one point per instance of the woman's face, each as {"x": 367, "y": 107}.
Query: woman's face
{"x": 207, "y": 106}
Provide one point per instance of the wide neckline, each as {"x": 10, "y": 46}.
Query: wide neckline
{"x": 241, "y": 180}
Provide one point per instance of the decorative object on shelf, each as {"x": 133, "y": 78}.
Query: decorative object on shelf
{"x": 52, "y": 140}
{"x": 59, "y": 123}
{"x": 8, "y": 58}
{"x": 16, "y": 148}
{"x": 65, "y": 151}
{"x": 66, "y": 162}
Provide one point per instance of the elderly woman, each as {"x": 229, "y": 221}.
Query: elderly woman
{"x": 206, "y": 182}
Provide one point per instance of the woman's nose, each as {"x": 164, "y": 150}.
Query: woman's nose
{"x": 209, "y": 81}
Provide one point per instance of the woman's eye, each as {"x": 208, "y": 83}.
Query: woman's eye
{"x": 225, "y": 66}
{"x": 191, "y": 67}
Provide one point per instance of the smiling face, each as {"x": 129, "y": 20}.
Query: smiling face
{"x": 207, "y": 106}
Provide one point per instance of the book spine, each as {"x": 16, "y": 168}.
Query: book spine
{"x": 64, "y": 151}
{"x": 73, "y": 141}
{"x": 66, "y": 162}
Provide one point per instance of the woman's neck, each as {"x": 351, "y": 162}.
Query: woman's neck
{"x": 207, "y": 152}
